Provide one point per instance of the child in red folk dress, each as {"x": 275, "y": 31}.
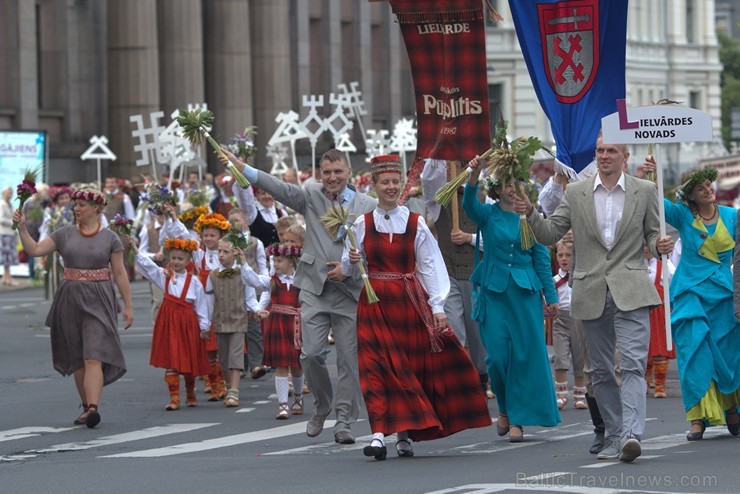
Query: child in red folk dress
{"x": 182, "y": 322}
{"x": 211, "y": 228}
{"x": 229, "y": 296}
{"x": 281, "y": 326}
{"x": 658, "y": 354}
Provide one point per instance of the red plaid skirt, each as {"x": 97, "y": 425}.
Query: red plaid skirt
{"x": 404, "y": 384}
{"x": 176, "y": 342}
{"x": 278, "y": 330}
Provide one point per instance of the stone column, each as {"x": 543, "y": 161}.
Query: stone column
{"x": 272, "y": 78}
{"x": 180, "y": 54}
{"x": 133, "y": 76}
{"x": 26, "y": 75}
{"x": 227, "y": 50}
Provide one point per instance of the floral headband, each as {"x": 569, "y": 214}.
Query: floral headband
{"x": 213, "y": 220}
{"x": 194, "y": 214}
{"x": 284, "y": 250}
{"x": 57, "y": 191}
{"x": 489, "y": 183}
{"x": 90, "y": 195}
{"x": 697, "y": 177}
{"x": 181, "y": 244}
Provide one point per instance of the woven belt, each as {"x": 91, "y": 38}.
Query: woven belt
{"x": 296, "y": 313}
{"x": 86, "y": 274}
{"x": 418, "y": 299}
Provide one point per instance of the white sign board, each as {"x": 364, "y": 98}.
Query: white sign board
{"x": 20, "y": 150}
{"x": 656, "y": 124}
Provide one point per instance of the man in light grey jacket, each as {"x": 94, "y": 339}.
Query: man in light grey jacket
{"x": 612, "y": 214}
{"x": 328, "y": 299}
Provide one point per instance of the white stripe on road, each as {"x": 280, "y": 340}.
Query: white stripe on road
{"x": 331, "y": 447}
{"x": 222, "y": 442}
{"x": 526, "y": 487}
{"x": 125, "y": 437}
{"x": 611, "y": 463}
{"x": 25, "y": 432}
{"x": 245, "y": 410}
{"x": 545, "y": 476}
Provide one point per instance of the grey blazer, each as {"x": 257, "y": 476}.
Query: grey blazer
{"x": 310, "y": 200}
{"x": 620, "y": 269}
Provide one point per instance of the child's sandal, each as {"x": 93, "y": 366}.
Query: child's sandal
{"x": 297, "y": 407}
{"x": 283, "y": 412}
{"x": 232, "y": 398}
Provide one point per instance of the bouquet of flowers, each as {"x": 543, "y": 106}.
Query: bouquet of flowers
{"x": 195, "y": 126}
{"x": 157, "y": 196}
{"x": 242, "y": 144}
{"x": 121, "y": 225}
{"x": 26, "y": 189}
{"x": 60, "y": 217}
{"x": 198, "y": 198}
{"x": 512, "y": 161}
{"x": 238, "y": 238}
{"x": 338, "y": 221}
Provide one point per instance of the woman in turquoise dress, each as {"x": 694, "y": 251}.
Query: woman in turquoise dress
{"x": 510, "y": 313}
{"x": 706, "y": 332}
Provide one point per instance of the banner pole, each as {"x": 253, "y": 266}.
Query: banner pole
{"x": 664, "y": 257}
{"x": 453, "y": 203}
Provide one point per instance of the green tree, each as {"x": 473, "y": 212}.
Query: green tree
{"x": 729, "y": 55}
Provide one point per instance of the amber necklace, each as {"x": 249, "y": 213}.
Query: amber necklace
{"x": 711, "y": 217}
{"x": 88, "y": 235}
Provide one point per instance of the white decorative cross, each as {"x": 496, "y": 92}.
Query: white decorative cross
{"x": 403, "y": 139}
{"x": 377, "y": 143}
{"x": 98, "y": 151}
{"x": 148, "y": 139}
{"x": 313, "y": 125}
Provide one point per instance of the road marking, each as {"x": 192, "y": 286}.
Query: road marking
{"x": 245, "y": 410}
{"x": 261, "y": 402}
{"x": 125, "y": 437}
{"x": 222, "y": 442}
{"x": 531, "y": 487}
{"x": 25, "y": 432}
{"x": 545, "y": 476}
{"x": 332, "y": 447}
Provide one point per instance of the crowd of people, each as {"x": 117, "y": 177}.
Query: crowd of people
{"x": 431, "y": 310}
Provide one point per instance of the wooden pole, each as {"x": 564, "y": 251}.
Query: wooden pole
{"x": 455, "y": 212}
{"x": 664, "y": 257}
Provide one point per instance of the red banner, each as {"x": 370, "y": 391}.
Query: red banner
{"x": 446, "y": 43}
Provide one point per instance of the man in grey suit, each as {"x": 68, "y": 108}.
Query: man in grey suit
{"x": 328, "y": 299}
{"x": 612, "y": 214}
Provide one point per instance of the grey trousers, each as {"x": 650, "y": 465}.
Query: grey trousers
{"x": 336, "y": 310}
{"x": 157, "y": 298}
{"x": 628, "y": 332}
{"x": 458, "y": 309}
{"x": 255, "y": 350}
{"x": 567, "y": 344}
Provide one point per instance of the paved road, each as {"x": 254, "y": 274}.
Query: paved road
{"x": 139, "y": 447}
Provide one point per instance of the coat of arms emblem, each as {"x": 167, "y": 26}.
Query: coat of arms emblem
{"x": 569, "y": 32}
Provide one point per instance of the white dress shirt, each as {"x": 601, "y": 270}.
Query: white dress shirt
{"x": 609, "y": 206}
{"x": 430, "y": 265}
{"x": 196, "y": 295}
{"x": 563, "y": 291}
{"x": 285, "y": 279}
{"x": 144, "y": 239}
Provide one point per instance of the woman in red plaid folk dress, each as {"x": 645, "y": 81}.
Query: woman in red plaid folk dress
{"x": 417, "y": 381}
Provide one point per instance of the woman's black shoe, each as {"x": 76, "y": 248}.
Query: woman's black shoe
{"x": 733, "y": 428}
{"x": 696, "y": 436}
{"x": 379, "y": 452}
{"x": 93, "y": 417}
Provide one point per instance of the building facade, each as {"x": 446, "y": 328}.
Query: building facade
{"x": 78, "y": 68}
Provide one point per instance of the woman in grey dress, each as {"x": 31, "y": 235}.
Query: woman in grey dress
{"x": 83, "y": 316}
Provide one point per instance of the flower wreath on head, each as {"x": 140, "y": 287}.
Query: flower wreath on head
{"x": 194, "y": 213}
{"x": 59, "y": 190}
{"x": 181, "y": 244}
{"x": 212, "y": 220}
{"x": 284, "y": 250}
{"x": 90, "y": 195}
{"x": 489, "y": 182}
{"x": 697, "y": 177}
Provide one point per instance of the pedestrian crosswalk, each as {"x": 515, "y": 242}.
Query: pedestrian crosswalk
{"x": 171, "y": 435}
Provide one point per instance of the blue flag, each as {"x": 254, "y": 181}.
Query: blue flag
{"x": 575, "y": 52}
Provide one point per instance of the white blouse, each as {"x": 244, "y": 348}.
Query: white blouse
{"x": 196, "y": 295}
{"x": 430, "y": 265}
{"x": 286, "y": 279}
{"x": 652, "y": 265}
